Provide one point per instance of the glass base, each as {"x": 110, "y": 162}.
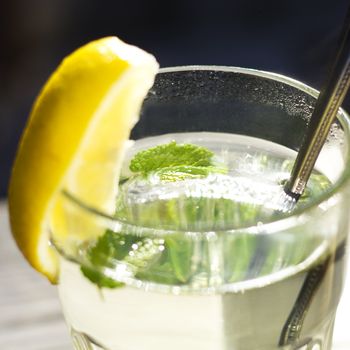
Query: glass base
{"x": 82, "y": 341}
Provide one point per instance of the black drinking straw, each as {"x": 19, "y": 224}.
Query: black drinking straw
{"x": 326, "y": 109}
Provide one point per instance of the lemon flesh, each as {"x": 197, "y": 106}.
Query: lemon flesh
{"x": 75, "y": 139}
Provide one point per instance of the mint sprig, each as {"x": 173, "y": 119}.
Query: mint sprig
{"x": 175, "y": 259}
{"x": 173, "y": 263}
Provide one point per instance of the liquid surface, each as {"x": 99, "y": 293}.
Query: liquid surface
{"x": 250, "y": 192}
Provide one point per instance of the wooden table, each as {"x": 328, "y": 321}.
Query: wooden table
{"x": 30, "y": 313}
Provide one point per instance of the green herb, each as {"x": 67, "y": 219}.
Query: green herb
{"x": 99, "y": 278}
{"x": 115, "y": 248}
{"x": 180, "y": 253}
{"x": 108, "y": 248}
{"x": 178, "y": 173}
{"x": 175, "y": 162}
{"x": 187, "y": 158}
{"x": 175, "y": 265}
{"x": 163, "y": 261}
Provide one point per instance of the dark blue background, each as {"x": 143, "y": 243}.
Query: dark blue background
{"x": 295, "y": 38}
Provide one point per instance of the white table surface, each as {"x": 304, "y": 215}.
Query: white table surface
{"x": 30, "y": 314}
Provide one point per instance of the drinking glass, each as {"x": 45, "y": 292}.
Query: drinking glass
{"x": 240, "y": 285}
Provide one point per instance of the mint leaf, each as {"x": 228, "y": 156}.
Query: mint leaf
{"x": 174, "y": 267}
{"x": 182, "y": 172}
{"x": 99, "y": 278}
{"x": 167, "y": 260}
{"x": 180, "y": 254}
{"x": 170, "y": 155}
{"x": 108, "y": 248}
{"x": 113, "y": 248}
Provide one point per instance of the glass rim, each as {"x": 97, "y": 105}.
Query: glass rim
{"x": 281, "y": 221}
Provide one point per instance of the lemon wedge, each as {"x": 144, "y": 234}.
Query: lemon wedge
{"x": 80, "y": 122}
